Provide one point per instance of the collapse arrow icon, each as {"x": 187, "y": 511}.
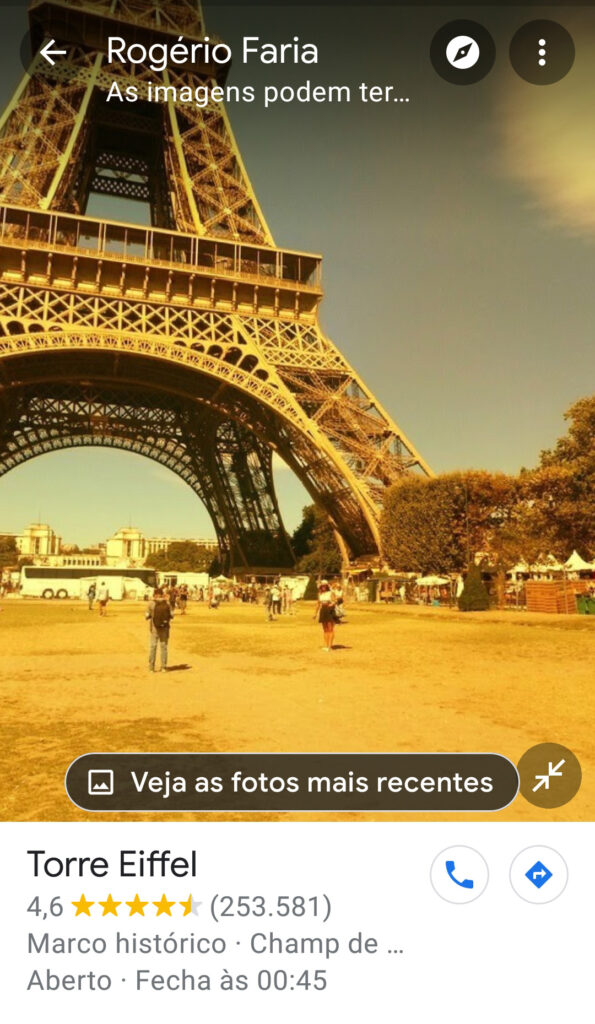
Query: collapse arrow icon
{"x": 552, "y": 772}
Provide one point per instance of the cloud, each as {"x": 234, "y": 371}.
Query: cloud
{"x": 548, "y": 142}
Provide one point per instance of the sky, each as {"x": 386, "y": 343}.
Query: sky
{"x": 458, "y": 235}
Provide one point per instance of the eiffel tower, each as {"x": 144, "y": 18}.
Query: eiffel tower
{"x": 194, "y": 341}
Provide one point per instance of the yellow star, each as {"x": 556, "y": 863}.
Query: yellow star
{"x": 82, "y": 906}
{"x": 136, "y": 906}
{"x": 110, "y": 906}
{"x": 164, "y": 906}
{"x": 187, "y": 905}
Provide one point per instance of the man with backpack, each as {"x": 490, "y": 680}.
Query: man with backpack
{"x": 159, "y": 614}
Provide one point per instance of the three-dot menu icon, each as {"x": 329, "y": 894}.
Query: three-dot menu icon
{"x": 542, "y": 52}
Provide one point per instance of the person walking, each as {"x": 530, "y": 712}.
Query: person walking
{"x": 325, "y": 614}
{"x": 338, "y": 597}
{"x": 159, "y": 613}
{"x": 102, "y": 599}
{"x": 183, "y": 598}
{"x": 91, "y": 594}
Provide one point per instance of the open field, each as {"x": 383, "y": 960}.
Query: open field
{"x": 403, "y": 679}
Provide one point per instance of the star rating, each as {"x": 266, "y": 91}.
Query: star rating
{"x": 110, "y": 906}
{"x": 190, "y": 906}
{"x": 83, "y": 906}
{"x": 164, "y": 905}
{"x": 137, "y": 906}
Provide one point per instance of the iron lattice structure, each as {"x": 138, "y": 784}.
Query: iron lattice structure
{"x": 196, "y": 341}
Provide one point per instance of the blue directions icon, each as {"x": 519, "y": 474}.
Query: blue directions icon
{"x": 538, "y": 874}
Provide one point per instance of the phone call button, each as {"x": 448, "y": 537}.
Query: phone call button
{"x": 459, "y": 874}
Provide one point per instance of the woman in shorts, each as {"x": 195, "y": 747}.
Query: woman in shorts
{"x": 325, "y": 613}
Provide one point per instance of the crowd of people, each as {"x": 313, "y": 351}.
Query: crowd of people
{"x": 277, "y": 600}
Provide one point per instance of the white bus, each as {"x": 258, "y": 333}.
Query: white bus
{"x": 178, "y": 579}
{"x": 74, "y": 581}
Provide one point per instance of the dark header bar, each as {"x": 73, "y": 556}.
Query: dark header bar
{"x": 291, "y": 783}
{"x": 464, "y": 8}
{"x": 210, "y": 7}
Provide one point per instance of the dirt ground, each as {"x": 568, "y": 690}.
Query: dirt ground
{"x": 402, "y": 679}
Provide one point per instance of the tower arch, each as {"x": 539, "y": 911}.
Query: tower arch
{"x": 199, "y": 309}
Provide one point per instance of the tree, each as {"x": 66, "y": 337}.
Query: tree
{"x": 311, "y": 591}
{"x": 556, "y": 520}
{"x": 560, "y": 493}
{"x": 303, "y": 534}
{"x": 183, "y": 556}
{"x": 438, "y": 525}
{"x": 474, "y": 597}
{"x": 314, "y": 543}
{"x": 9, "y": 555}
{"x": 417, "y": 527}
{"x": 577, "y": 447}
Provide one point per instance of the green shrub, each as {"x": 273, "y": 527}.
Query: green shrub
{"x": 474, "y": 597}
{"x": 311, "y": 591}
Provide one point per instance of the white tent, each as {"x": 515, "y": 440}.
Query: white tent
{"x": 577, "y": 564}
{"x": 547, "y": 564}
{"x": 520, "y": 569}
{"x": 432, "y": 581}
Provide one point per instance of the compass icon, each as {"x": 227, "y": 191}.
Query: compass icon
{"x": 462, "y": 52}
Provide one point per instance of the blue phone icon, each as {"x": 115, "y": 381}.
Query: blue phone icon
{"x": 467, "y": 883}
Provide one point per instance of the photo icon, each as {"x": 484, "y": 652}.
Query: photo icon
{"x": 100, "y": 782}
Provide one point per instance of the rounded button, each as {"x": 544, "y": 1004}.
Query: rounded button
{"x": 462, "y": 52}
{"x": 542, "y": 52}
{"x": 550, "y": 775}
{"x": 459, "y": 874}
{"x": 538, "y": 874}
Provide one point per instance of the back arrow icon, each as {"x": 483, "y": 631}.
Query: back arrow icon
{"x": 47, "y": 53}
{"x": 544, "y": 780}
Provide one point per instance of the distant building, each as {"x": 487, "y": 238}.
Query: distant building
{"x": 80, "y": 559}
{"x": 38, "y": 540}
{"x": 155, "y": 544}
{"x": 127, "y": 548}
